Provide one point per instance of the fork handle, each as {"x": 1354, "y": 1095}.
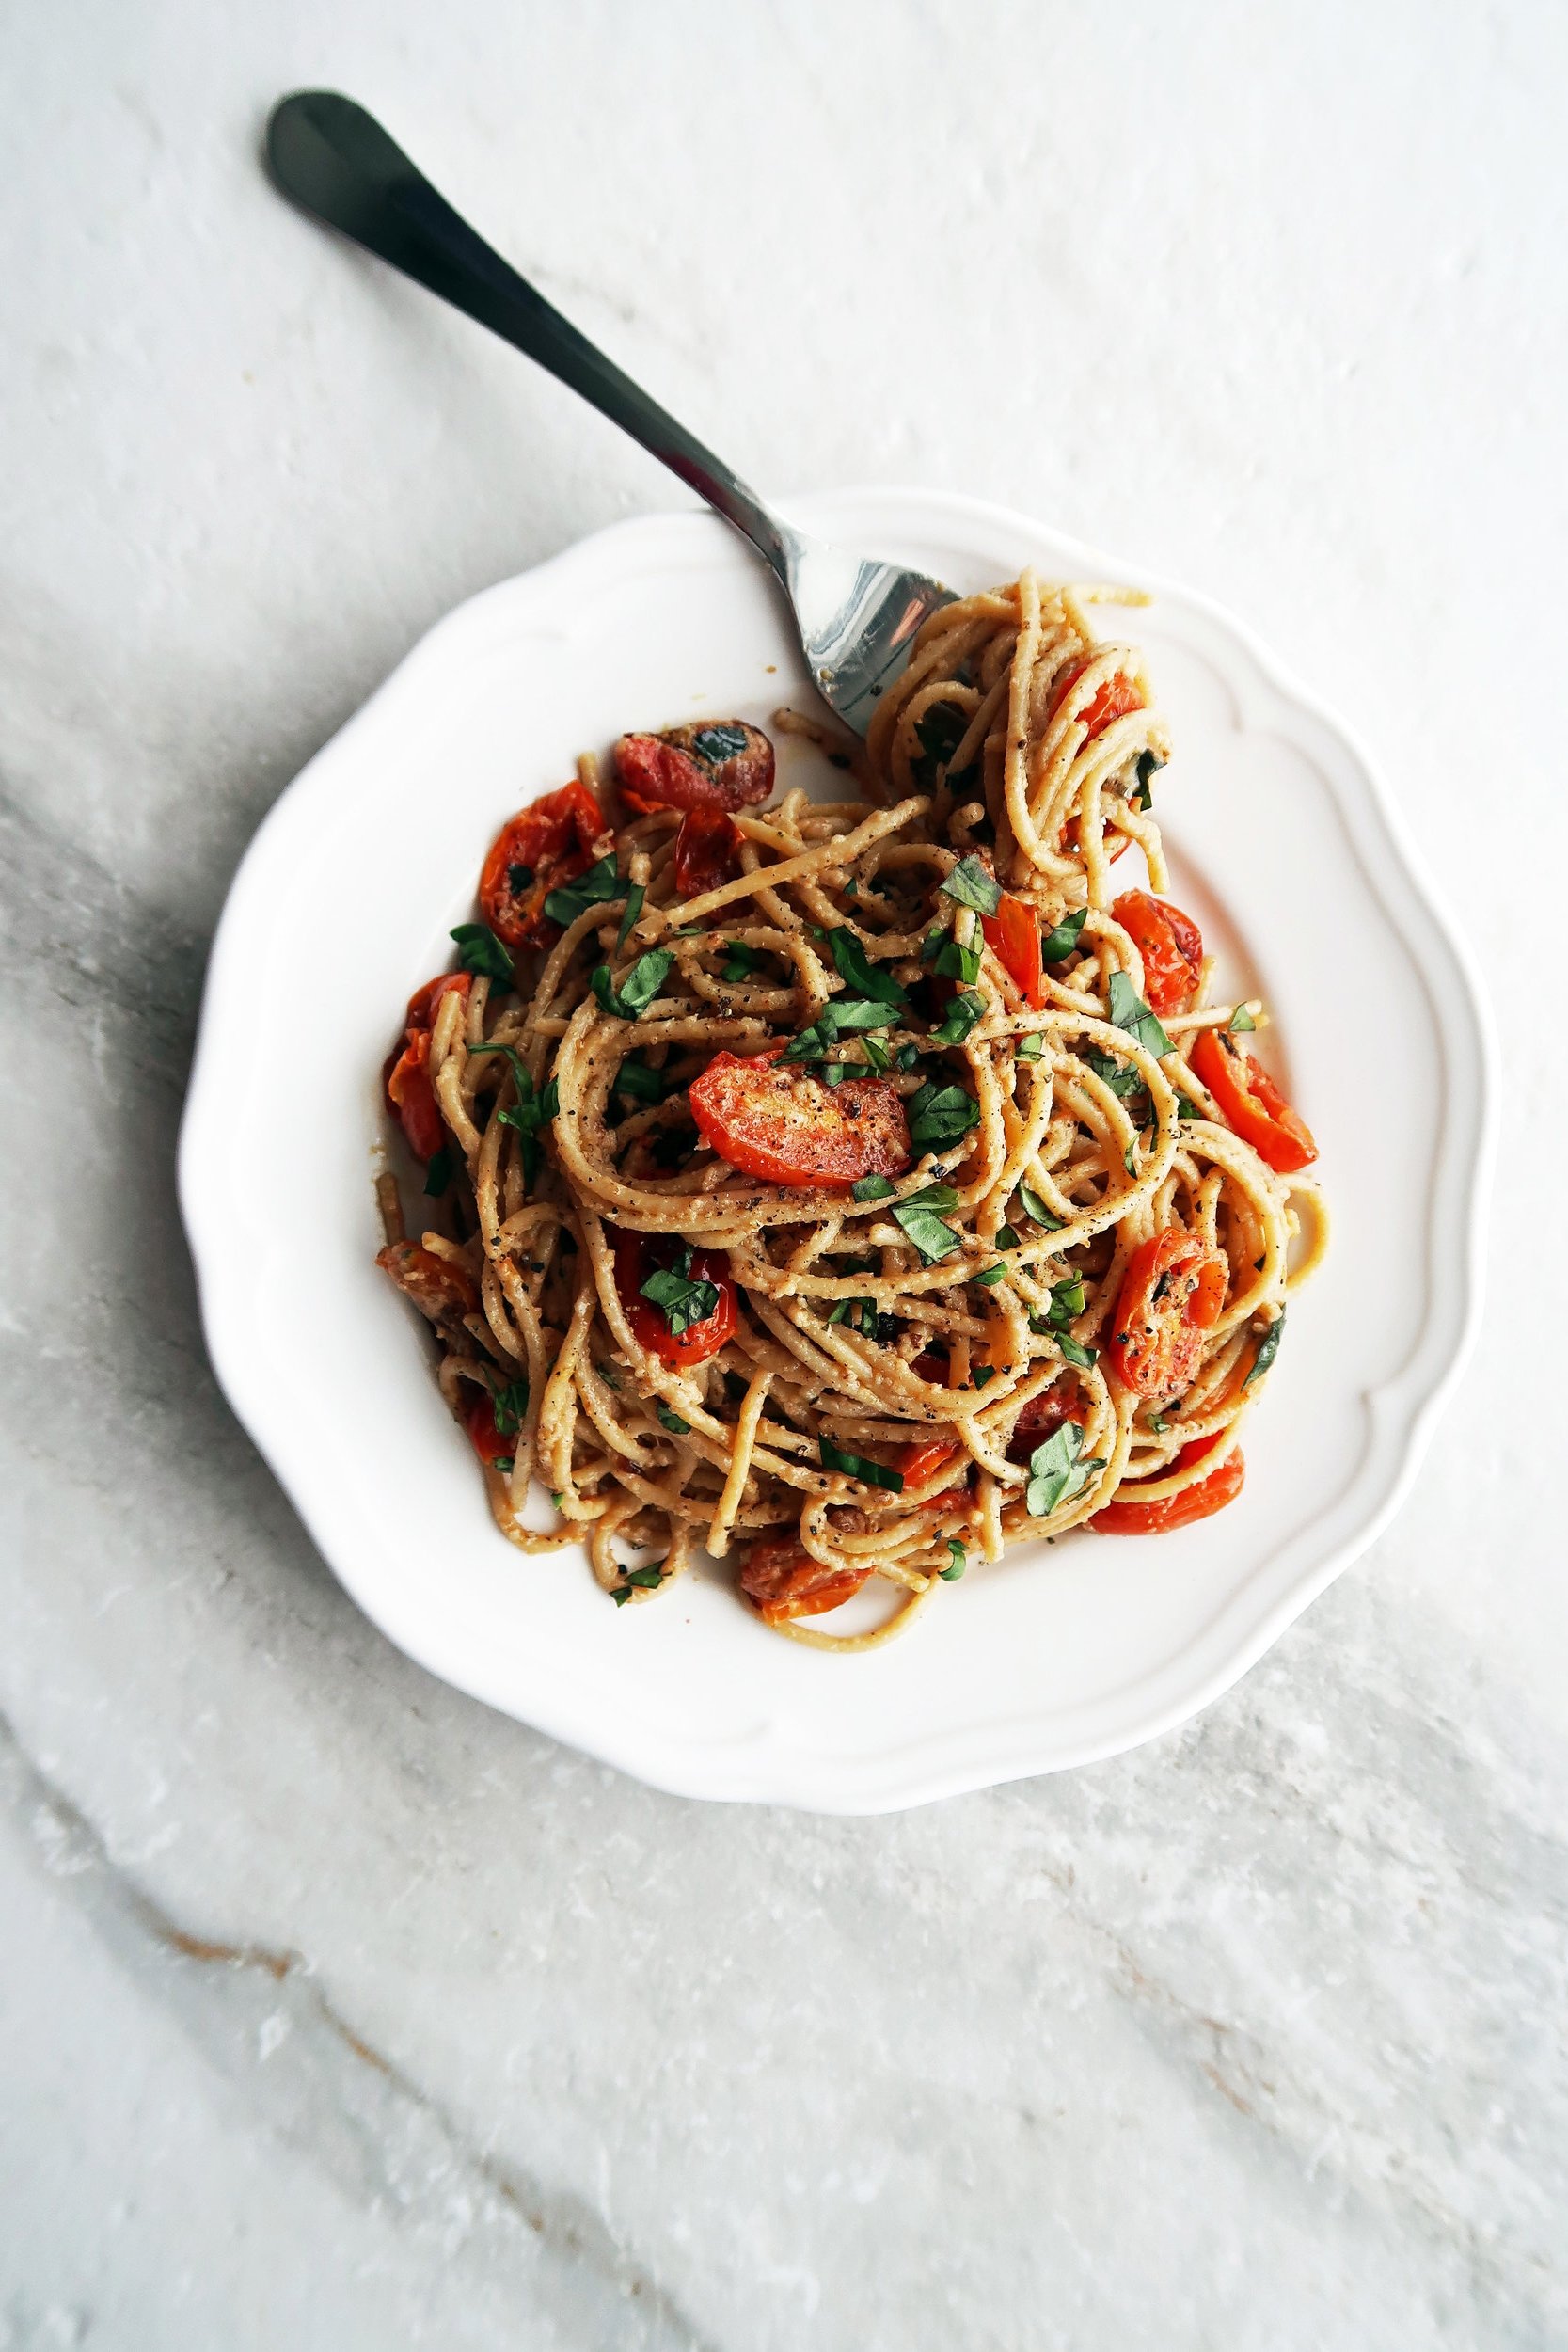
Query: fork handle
{"x": 335, "y": 161}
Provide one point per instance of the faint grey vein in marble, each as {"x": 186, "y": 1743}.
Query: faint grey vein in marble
{"x": 337, "y": 2013}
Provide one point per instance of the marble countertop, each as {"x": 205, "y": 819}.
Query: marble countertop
{"x": 337, "y": 2011}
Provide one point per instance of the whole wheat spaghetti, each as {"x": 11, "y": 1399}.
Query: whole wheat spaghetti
{"x": 852, "y": 1187}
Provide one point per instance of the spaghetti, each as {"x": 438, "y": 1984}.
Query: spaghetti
{"x": 861, "y": 1186}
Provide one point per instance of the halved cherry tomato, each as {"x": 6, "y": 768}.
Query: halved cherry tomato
{"x": 546, "y": 845}
{"x": 1013, "y": 933}
{"x": 786, "y": 1126}
{"x": 1199, "y": 1502}
{"x": 638, "y": 1256}
{"x": 1170, "y": 944}
{"x": 404, "y": 1073}
{"x": 1252, "y": 1103}
{"x": 486, "y": 1440}
{"x": 1171, "y": 1295}
{"x": 708, "y": 851}
{"x": 923, "y": 1459}
{"x": 1118, "y": 698}
{"x": 722, "y": 764}
{"x": 783, "y": 1580}
{"x": 439, "y": 1289}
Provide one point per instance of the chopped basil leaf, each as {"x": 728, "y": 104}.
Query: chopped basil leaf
{"x": 931, "y": 941}
{"x": 849, "y": 1014}
{"x": 962, "y": 1013}
{"x": 876, "y": 1056}
{"x": 1075, "y": 1352}
{"x": 673, "y": 1422}
{"x": 1185, "y": 1106}
{"x": 645, "y": 1579}
{"x": 1159, "y": 1425}
{"x": 638, "y": 1083}
{"x": 872, "y": 1188}
{"x": 1268, "y": 1349}
{"x": 506, "y": 1463}
{"x": 1055, "y": 1471}
{"x": 481, "y": 952}
{"x": 1130, "y": 1012}
{"x": 1007, "y": 1238}
{"x": 959, "y": 1559}
{"x": 1129, "y": 1159}
{"x": 520, "y": 877}
{"x": 832, "y": 1073}
{"x": 972, "y": 887}
{"x": 639, "y": 987}
{"x": 1149, "y": 766}
{"x": 940, "y": 1114}
{"x": 1030, "y": 1048}
{"x": 601, "y": 882}
{"x": 440, "y": 1169}
{"x": 907, "y": 1057}
{"x": 1120, "y": 1080}
{"x": 680, "y": 1300}
{"x": 920, "y": 1220}
{"x": 715, "y": 744}
{"x": 989, "y": 1273}
{"x": 939, "y": 731}
{"x": 743, "y": 960}
{"x": 957, "y": 963}
{"x": 1067, "y": 1298}
{"x": 609, "y": 1375}
{"x": 1035, "y": 1208}
{"x": 857, "y": 970}
{"x": 1240, "y": 1020}
{"x": 1064, "y": 939}
{"x": 635, "y": 897}
{"x": 856, "y": 1466}
{"x": 510, "y": 1407}
{"x": 982, "y": 1373}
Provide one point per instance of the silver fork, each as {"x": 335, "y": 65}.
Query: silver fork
{"x": 856, "y": 619}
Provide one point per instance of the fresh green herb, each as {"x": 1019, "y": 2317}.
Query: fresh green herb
{"x": 601, "y": 882}
{"x": 876, "y": 1056}
{"x": 1129, "y": 1159}
{"x": 872, "y": 1188}
{"x": 1185, "y": 1106}
{"x": 1035, "y": 1208}
{"x": 932, "y": 941}
{"x": 907, "y": 1057}
{"x": 506, "y": 1463}
{"x": 972, "y": 887}
{"x": 958, "y": 1558}
{"x": 940, "y": 1115}
{"x": 440, "y": 1169}
{"x": 559, "y": 1499}
{"x": 1064, "y": 939}
{"x": 1149, "y": 764}
{"x": 635, "y": 897}
{"x": 609, "y": 1375}
{"x": 481, "y": 952}
{"x": 1030, "y": 1048}
{"x": 681, "y": 1301}
{"x": 644, "y": 1579}
{"x": 1120, "y": 1080}
{"x": 717, "y": 745}
{"x": 939, "y": 731}
{"x": 1268, "y": 1349}
{"x": 673, "y": 1422}
{"x": 529, "y": 1112}
{"x": 1160, "y": 1426}
{"x": 839, "y": 1017}
{"x": 957, "y": 963}
{"x": 859, "y": 973}
{"x": 510, "y": 1407}
{"x": 1055, "y": 1471}
{"x": 1067, "y": 1298}
{"x": 856, "y": 1466}
{"x": 989, "y": 1273}
{"x": 519, "y": 878}
{"x": 743, "y": 960}
{"x": 851, "y": 886}
{"x": 639, "y": 987}
{"x": 982, "y": 1373}
{"x": 920, "y": 1218}
{"x": 962, "y": 1013}
{"x": 1007, "y": 1238}
{"x": 638, "y": 1083}
{"x": 832, "y": 1073}
{"x": 1240, "y": 1019}
{"x": 1130, "y": 1012}
{"x": 1075, "y": 1352}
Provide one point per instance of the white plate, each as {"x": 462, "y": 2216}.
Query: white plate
{"x": 1284, "y": 846}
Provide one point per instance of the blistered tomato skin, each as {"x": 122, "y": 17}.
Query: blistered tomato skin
{"x": 780, "y": 1123}
{"x": 1252, "y": 1104}
{"x": 709, "y": 844}
{"x": 723, "y": 763}
{"x": 440, "y": 1290}
{"x": 1171, "y": 946}
{"x": 1170, "y": 1298}
{"x": 1198, "y": 1501}
{"x": 781, "y": 1580}
{"x": 636, "y": 1256}
{"x": 546, "y": 844}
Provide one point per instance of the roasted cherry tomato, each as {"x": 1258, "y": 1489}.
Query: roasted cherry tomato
{"x": 638, "y": 1256}
{"x": 922, "y": 1460}
{"x": 722, "y": 764}
{"x": 487, "y": 1440}
{"x": 439, "y": 1289}
{"x": 1170, "y": 944}
{"x": 708, "y": 851}
{"x": 784, "y": 1124}
{"x": 1252, "y": 1103}
{"x": 405, "y": 1072}
{"x": 1116, "y": 699}
{"x": 1013, "y": 935}
{"x": 546, "y": 845}
{"x": 1171, "y": 1295}
{"x": 783, "y": 1580}
{"x": 1043, "y": 1415}
{"x": 1199, "y": 1502}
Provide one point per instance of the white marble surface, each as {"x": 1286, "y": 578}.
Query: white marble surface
{"x": 337, "y": 2012}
